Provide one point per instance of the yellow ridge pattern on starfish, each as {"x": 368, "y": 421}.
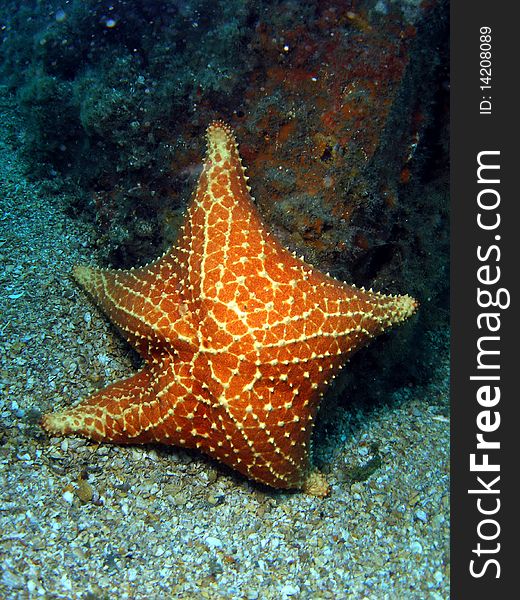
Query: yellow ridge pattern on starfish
{"x": 239, "y": 337}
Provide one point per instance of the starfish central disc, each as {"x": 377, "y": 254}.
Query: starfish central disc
{"x": 239, "y": 337}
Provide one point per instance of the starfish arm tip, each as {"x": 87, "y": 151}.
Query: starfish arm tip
{"x": 83, "y": 275}
{"x": 57, "y": 423}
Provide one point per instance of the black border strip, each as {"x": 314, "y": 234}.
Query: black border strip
{"x": 473, "y": 132}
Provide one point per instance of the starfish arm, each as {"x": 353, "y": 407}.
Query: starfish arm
{"x": 272, "y": 439}
{"x": 355, "y": 316}
{"x": 223, "y": 224}
{"x": 144, "y": 303}
{"x": 307, "y": 316}
{"x": 260, "y": 423}
{"x": 119, "y": 413}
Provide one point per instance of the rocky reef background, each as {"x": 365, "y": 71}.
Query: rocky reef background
{"x": 341, "y": 112}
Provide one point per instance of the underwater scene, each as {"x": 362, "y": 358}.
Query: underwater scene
{"x": 224, "y": 255}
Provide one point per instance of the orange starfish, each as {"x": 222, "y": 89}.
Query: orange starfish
{"x": 239, "y": 337}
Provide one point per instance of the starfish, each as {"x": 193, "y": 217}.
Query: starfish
{"x": 239, "y": 337}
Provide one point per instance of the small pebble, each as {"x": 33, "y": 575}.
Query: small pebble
{"x": 421, "y": 515}
{"x": 289, "y": 590}
{"x": 213, "y": 542}
{"x": 68, "y": 496}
